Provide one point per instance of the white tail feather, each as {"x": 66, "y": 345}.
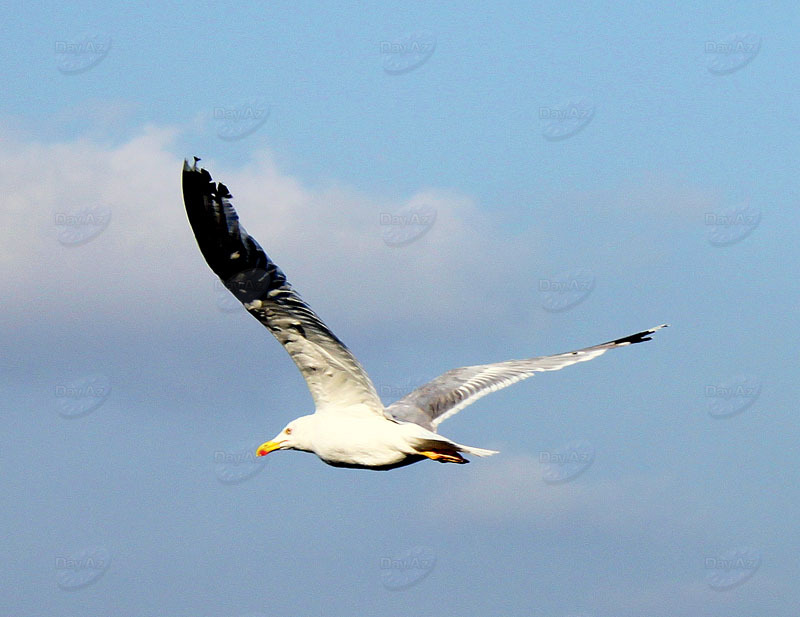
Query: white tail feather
{"x": 476, "y": 451}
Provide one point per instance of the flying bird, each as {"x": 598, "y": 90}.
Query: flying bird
{"x": 350, "y": 426}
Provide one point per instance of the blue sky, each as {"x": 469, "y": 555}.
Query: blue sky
{"x": 583, "y": 171}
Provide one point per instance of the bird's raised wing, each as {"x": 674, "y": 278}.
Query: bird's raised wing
{"x": 334, "y": 376}
{"x": 448, "y": 394}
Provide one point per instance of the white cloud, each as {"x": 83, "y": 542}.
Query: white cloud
{"x": 653, "y": 528}
{"x": 509, "y": 489}
{"x": 145, "y": 266}
{"x": 329, "y": 240}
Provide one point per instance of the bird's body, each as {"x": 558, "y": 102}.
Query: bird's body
{"x": 350, "y": 427}
{"x": 357, "y": 437}
{"x": 347, "y": 439}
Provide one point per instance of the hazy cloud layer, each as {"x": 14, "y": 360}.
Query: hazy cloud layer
{"x": 331, "y": 241}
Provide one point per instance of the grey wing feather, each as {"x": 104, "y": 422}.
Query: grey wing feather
{"x": 449, "y": 393}
{"x": 332, "y": 373}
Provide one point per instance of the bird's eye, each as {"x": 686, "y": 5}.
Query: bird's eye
{"x": 288, "y": 431}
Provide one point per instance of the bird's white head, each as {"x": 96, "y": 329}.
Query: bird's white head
{"x": 294, "y": 436}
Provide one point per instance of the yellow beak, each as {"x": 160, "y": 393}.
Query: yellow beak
{"x": 266, "y": 448}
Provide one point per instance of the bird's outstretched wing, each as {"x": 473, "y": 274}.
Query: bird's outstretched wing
{"x": 431, "y": 404}
{"x": 334, "y": 376}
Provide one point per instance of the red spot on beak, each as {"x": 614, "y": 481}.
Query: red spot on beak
{"x": 266, "y": 448}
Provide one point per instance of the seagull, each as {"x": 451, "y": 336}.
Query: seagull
{"x": 350, "y": 427}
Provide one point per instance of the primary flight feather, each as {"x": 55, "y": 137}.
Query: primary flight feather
{"x": 350, "y": 426}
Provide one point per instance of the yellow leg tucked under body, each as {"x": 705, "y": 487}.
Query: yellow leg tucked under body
{"x": 444, "y": 457}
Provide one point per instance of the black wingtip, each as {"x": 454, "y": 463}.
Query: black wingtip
{"x": 222, "y": 191}
{"x": 198, "y": 182}
{"x": 193, "y": 167}
{"x": 639, "y": 337}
